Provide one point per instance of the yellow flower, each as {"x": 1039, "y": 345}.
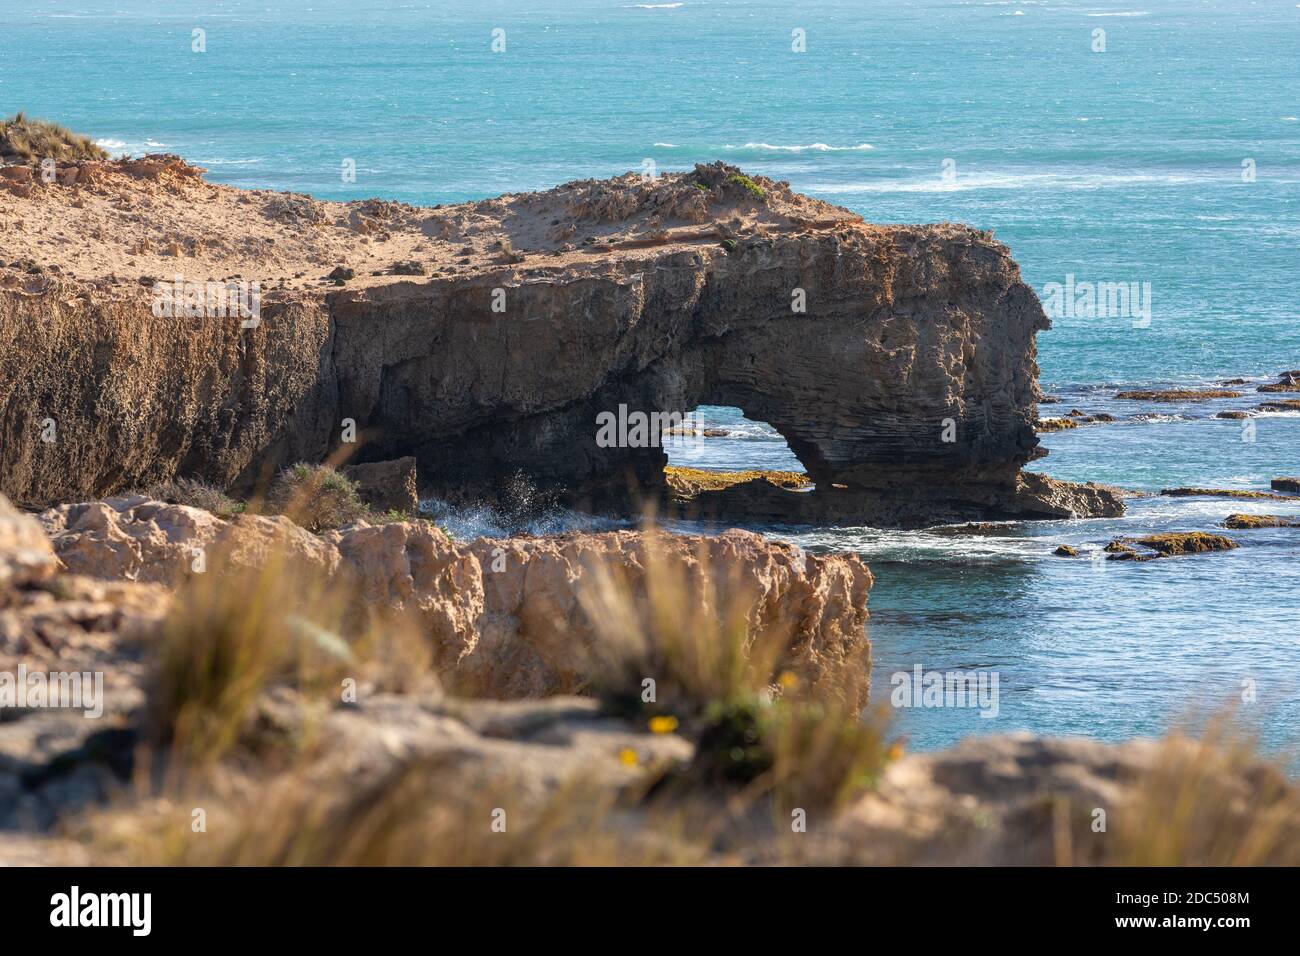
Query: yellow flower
{"x": 788, "y": 680}
{"x": 628, "y": 756}
{"x": 663, "y": 725}
{"x": 896, "y": 750}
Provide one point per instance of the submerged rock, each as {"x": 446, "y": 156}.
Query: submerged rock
{"x": 1065, "y": 551}
{"x": 1178, "y": 394}
{"x": 1289, "y": 382}
{"x": 1073, "y": 420}
{"x": 1218, "y": 493}
{"x": 1055, "y": 424}
{"x": 972, "y": 528}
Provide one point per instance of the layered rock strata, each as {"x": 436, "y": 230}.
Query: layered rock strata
{"x": 898, "y": 362}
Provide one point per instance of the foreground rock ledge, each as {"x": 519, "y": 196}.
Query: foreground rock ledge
{"x": 999, "y": 800}
{"x": 504, "y": 617}
{"x": 906, "y": 385}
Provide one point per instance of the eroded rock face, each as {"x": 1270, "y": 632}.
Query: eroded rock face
{"x": 820, "y": 602}
{"x": 504, "y": 617}
{"x": 134, "y": 538}
{"x": 898, "y": 362}
{"x": 908, "y": 331}
{"x": 387, "y": 485}
{"x": 25, "y": 553}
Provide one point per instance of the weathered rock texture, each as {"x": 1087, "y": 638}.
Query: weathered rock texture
{"x": 906, "y": 386}
{"x": 988, "y": 801}
{"x": 387, "y": 485}
{"x": 1020, "y": 800}
{"x": 25, "y": 553}
{"x": 504, "y": 617}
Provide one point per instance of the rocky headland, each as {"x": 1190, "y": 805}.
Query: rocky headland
{"x": 329, "y": 678}
{"x": 488, "y": 339}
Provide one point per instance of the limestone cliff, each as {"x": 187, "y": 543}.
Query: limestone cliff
{"x": 487, "y": 338}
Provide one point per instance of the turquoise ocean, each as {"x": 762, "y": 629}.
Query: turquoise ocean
{"x": 1171, "y": 157}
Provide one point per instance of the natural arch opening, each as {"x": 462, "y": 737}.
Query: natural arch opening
{"x": 717, "y": 447}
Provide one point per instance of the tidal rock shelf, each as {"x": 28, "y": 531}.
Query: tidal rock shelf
{"x": 486, "y": 339}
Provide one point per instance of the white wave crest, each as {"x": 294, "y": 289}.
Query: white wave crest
{"x": 811, "y": 147}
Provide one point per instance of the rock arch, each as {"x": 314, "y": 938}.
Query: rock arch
{"x": 865, "y": 346}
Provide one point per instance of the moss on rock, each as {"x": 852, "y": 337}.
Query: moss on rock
{"x": 1167, "y": 545}
{"x": 1217, "y": 493}
{"x": 1243, "y": 521}
{"x": 691, "y": 481}
{"x": 1055, "y": 424}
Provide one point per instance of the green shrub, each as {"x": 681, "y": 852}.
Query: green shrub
{"x": 317, "y": 497}
{"x": 733, "y": 745}
{"x": 744, "y": 182}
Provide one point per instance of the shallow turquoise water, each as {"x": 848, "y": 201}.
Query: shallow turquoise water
{"x": 1124, "y": 165}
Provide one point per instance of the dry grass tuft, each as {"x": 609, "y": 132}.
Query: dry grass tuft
{"x": 229, "y": 637}
{"x": 425, "y": 812}
{"x": 196, "y": 494}
{"x": 824, "y": 752}
{"x": 236, "y": 632}
{"x": 679, "y": 627}
{"x": 29, "y": 141}
{"x": 1212, "y": 801}
{"x": 756, "y": 724}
